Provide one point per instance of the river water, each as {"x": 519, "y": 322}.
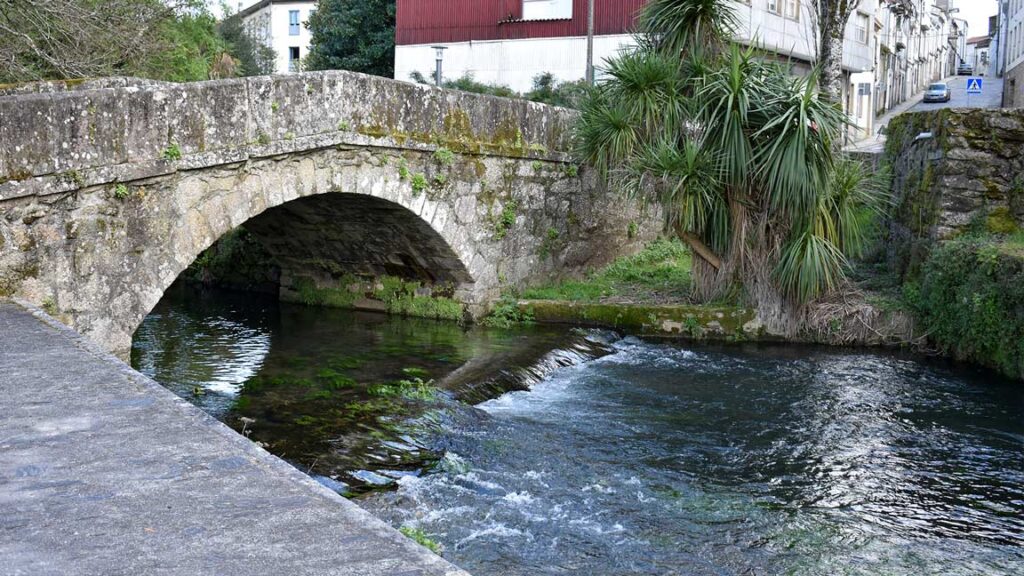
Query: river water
{"x": 551, "y": 451}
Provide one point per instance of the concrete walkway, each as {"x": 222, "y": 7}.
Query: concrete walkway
{"x": 105, "y": 472}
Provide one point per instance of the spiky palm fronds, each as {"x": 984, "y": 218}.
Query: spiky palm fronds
{"x": 809, "y": 265}
{"x": 681, "y": 25}
{"x": 737, "y": 152}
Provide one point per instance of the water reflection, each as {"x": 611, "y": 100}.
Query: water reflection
{"x": 208, "y": 349}
{"x": 354, "y": 398}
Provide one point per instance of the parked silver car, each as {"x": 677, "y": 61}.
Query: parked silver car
{"x": 938, "y": 92}
{"x": 964, "y": 69}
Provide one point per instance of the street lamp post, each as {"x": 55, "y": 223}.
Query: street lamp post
{"x": 590, "y": 42}
{"x": 439, "y": 57}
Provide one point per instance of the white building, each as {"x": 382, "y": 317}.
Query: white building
{"x": 786, "y": 28}
{"x": 978, "y": 55}
{"x": 918, "y": 44}
{"x": 281, "y": 25}
{"x": 892, "y": 49}
{"x": 1012, "y": 52}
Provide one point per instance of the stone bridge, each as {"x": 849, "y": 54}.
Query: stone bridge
{"x": 110, "y": 189}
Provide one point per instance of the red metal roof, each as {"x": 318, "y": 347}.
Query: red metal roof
{"x": 441, "y": 21}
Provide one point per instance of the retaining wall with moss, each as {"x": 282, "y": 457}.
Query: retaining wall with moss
{"x": 954, "y": 171}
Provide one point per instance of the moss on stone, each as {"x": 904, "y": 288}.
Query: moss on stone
{"x": 395, "y": 295}
{"x": 692, "y": 321}
{"x": 1001, "y": 221}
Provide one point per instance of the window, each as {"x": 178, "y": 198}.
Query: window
{"x": 793, "y": 9}
{"x": 293, "y": 22}
{"x": 293, "y": 58}
{"x": 547, "y": 9}
{"x": 773, "y": 6}
{"x": 861, "y": 24}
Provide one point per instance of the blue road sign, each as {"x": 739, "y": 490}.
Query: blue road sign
{"x": 974, "y": 85}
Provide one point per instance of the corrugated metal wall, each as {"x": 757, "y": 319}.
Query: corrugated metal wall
{"x": 441, "y": 21}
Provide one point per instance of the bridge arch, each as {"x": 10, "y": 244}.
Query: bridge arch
{"x": 320, "y": 215}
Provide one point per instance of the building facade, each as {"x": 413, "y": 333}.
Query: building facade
{"x": 978, "y": 55}
{"x": 1012, "y": 52}
{"x": 508, "y": 42}
{"x": 892, "y": 49}
{"x": 918, "y": 44}
{"x": 281, "y": 26}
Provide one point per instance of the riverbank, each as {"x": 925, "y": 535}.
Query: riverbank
{"x": 648, "y": 294}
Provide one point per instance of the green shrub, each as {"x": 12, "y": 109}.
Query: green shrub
{"x": 507, "y": 313}
{"x": 120, "y": 191}
{"x": 444, "y": 156}
{"x": 421, "y": 538}
{"x": 970, "y": 300}
{"x": 172, "y": 152}
{"x": 504, "y": 222}
{"x": 547, "y": 246}
{"x": 419, "y": 184}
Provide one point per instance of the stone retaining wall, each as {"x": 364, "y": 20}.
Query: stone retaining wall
{"x": 954, "y": 170}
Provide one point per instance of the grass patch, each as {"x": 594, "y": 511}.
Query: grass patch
{"x": 421, "y": 538}
{"x": 506, "y": 314}
{"x": 660, "y": 271}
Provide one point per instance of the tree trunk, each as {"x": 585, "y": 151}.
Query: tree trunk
{"x": 830, "y": 60}
{"x": 749, "y": 265}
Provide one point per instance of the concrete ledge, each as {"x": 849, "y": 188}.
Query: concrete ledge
{"x": 651, "y": 320}
{"x": 107, "y": 472}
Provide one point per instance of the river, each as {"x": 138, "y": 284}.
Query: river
{"x": 548, "y": 451}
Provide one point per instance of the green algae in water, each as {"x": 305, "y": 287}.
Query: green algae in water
{"x": 333, "y": 391}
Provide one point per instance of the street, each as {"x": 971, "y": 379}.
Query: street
{"x": 990, "y": 97}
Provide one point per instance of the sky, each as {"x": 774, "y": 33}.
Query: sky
{"x": 976, "y": 12}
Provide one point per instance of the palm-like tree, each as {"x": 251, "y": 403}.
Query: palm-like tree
{"x": 738, "y": 153}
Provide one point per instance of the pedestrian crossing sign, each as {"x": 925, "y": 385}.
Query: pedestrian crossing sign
{"x": 974, "y": 85}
